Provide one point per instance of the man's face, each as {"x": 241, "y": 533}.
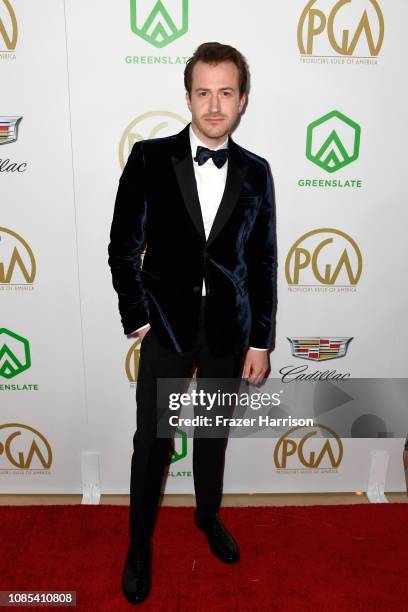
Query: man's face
{"x": 215, "y": 102}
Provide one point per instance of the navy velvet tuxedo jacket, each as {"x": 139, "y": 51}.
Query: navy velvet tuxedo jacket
{"x": 157, "y": 205}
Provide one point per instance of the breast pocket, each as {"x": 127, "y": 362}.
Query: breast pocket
{"x": 249, "y": 201}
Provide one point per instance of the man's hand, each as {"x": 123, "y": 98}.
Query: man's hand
{"x": 256, "y": 366}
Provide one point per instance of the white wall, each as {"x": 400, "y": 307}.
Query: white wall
{"x": 72, "y": 76}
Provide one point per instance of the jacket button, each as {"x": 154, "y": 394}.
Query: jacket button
{"x": 197, "y": 288}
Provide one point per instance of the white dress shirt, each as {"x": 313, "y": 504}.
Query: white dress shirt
{"x": 210, "y": 187}
{"x": 210, "y": 184}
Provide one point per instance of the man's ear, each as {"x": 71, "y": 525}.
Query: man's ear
{"x": 242, "y": 102}
{"x": 188, "y": 100}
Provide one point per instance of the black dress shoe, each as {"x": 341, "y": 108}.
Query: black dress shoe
{"x": 136, "y": 578}
{"x": 220, "y": 540}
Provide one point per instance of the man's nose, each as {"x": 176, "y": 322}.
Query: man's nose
{"x": 214, "y": 104}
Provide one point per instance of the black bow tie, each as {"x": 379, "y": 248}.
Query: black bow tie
{"x": 219, "y": 157}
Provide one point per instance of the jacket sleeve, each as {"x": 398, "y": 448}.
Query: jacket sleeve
{"x": 127, "y": 240}
{"x": 261, "y": 258}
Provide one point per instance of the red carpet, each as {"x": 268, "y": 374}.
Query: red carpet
{"x": 292, "y": 558}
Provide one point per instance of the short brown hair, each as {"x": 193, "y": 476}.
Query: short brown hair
{"x": 214, "y": 53}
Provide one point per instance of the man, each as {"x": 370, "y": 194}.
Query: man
{"x": 205, "y": 295}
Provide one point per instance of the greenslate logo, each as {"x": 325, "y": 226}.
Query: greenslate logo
{"x": 14, "y": 353}
{"x": 180, "y": 446}
{"x": 158, "y": 27}
{"x": 333, "y": 141}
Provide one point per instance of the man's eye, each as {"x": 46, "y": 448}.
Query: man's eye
{"x": 202, "y": 93}
{"x": 226, "y": 93}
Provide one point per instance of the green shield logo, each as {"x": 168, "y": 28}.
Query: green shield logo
{"x": 333, "y": 141}
{"x": 180, "y": 446}
{"x": 165, "y": 22}
{"x": 14, "y": 353}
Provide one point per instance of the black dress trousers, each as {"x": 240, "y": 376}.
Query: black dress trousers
{"x": 151, "y": 453}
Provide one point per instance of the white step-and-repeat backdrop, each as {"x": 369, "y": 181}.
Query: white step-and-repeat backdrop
{"x": 81, "y": 81}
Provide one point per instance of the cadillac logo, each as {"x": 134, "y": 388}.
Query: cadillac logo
{"x": 9, "y": 129}
{"x": 319, "y": 348}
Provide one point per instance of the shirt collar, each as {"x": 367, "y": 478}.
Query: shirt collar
{"x": 196, "y": 142}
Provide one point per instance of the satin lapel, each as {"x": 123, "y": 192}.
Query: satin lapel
{"x": 236, "y": 174}
{"x": 184, "y": 170}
